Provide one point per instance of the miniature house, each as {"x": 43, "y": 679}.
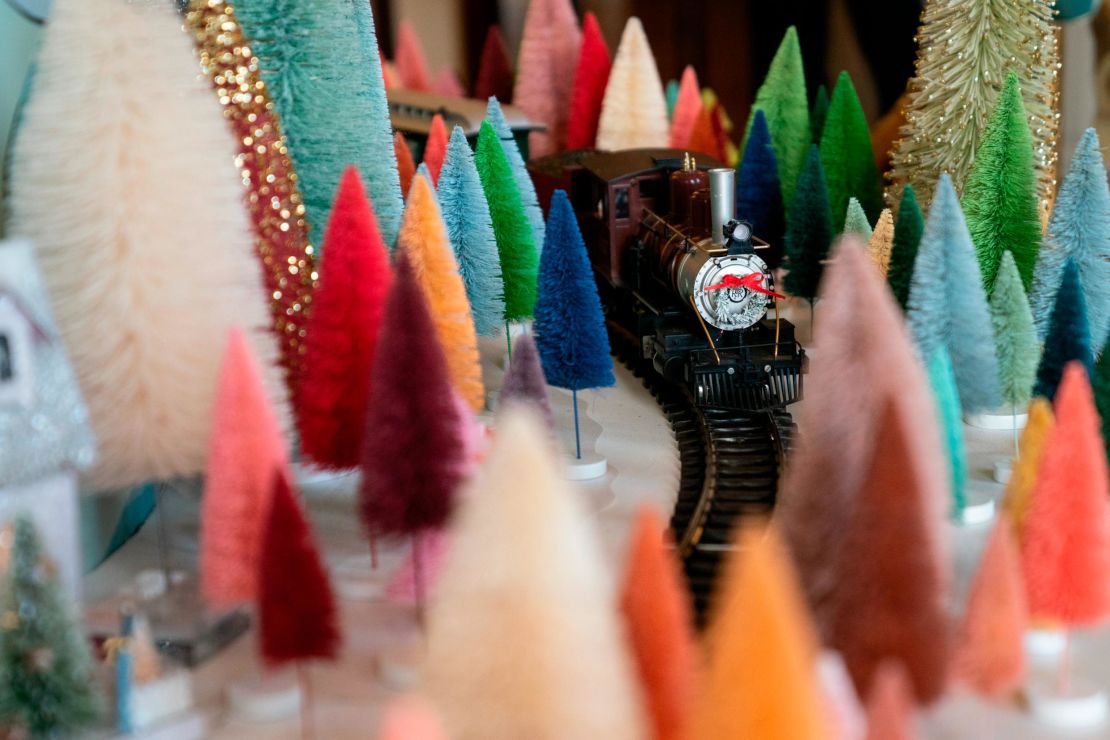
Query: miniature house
{"x": 45, "y": 437}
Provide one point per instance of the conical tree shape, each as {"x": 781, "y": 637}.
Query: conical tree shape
{"x": 410, "y": 718}
{"x": 687, "y": 107}
{"x": 633, "y": 112}
{"x": 416, "y": 578}
{"x": 882, "y": 241}
{"x": 524, "y": 381}
{"x": 343, "y": 331}
{"x": 322, "y": 65}
{"x": 502, "y": 596}
{"x": 448, "y": 84}
{"x": 819, "y": 112}
{"x": 466, "y": 216}
{"x": 809, "y": 231}
{"x": 782, "y": 98}
{"x": 1066, "y": 549}
{"x": 570, "y": 326}
{"x": 1000, "y": 195}
{"x": 526, "y": 189}
{"x": 1080, "y": 229}
{"x": 943, "y": 381}
{"x": 1068, "y": 337}
{"x": 410, "y": 61}
{"x": 495, "y": 69}
{"x": 424, "y": 240}
{"x": 545, "y": 72}
{"x": 855, "y": 221}
{"x": 890, "y": 705}
{"x": 948, "y": 306}
{"x": 660, "y": 626}
{"x": 758, "y": 192}
{"x": 245, "y": 452}
{"x": 154, "y": 259}
{"x": 406, "y": 167}
{"x": 1101, "y": 383}
{"x": 847, "y": 156}
{"x": 1014, "y": 335}
{"x": 704, "y": 137}
{"x": 297, "y": 615}
{"x": 761, "y": 680}
{"x": 990, "y": 656}
{"x": 889, "y": 603}
{"x": 410, "y": 408}
{"x": 1023, "y": 476}
{"x": 670, "y": 92}
{"x": 908, "y": 228}
{"x": 590, "y": 78}
{"x": 519, "y": 260}
{"x": 47, "y": 683}
{"x": 991, "y": 39}
{"x": 836, "y": 435}
{"x": 435, "y": 150}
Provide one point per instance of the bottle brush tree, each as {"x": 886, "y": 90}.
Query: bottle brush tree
{"x": 1015, "y": 338}
{"x": 856, "y": 222}
{"x": 466, "y": 215}
{"x": 1065, "y": 551}
{"x": 659, "y": 622}
{"x": 423, "y": 239}
{"x": 590, "y": 78}
{"x": 1069, "y": 337}
{"x": 758, "y": 191}
{"x": 495, "y": 69}
{"x": 890, "y": 705}
{"x": 406, "y": 167}
{"x": 343, "y": 330}
{"x": 570, "y": 326}
{"x": 545, "y": 72}
{"x": 526, "y": 189}
{"x": 435, "y": 150}
{"x": 517, "y": 251}
{"x": 882, "y": 242}
{"x": 948, "y": 305}
{"x": 1079, "y": 229}
{"x": 524, "y": 381}
{"x": 410, "y": 718}
{"x": 633, "y": 111}
{"x": 1000, "y": 194}
{"x": 410, "y": 61}
{"x": 943, "y": 382}
{"x": 245, "y": 452}
{"x": 847, "y": 157}
{"x": 323, "y": 67}
{"x": 783, "y": 99}
{"x": 760, "y": 680}
{"x": 908, "y": 228}
{"x": 809, "y": 231}
{"x": 990, "y": 653}
{"x": 1023, "y": 476}
{"x": 686, "y": 109}
{"x": 503, "y": 595}
{"x": 47, "y": 686}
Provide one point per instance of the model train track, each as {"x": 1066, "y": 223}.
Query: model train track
{"x": 730, "y": 462}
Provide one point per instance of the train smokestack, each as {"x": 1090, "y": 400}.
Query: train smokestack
{"x": 722, "y": 194}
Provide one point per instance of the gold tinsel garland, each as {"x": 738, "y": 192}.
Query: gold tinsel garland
{"x": 965, "y": 50}
{"x": 273, "y": 197}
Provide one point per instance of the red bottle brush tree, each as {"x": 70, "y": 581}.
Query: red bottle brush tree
{"x": 990, "y": 655}
{"x": 890, "y": 705}
{"x": 687, "y": 108}
{"x": 406, "y": 167}
{"x": 343, "y": 330}
{"x": 590, "y": 79}
{"x": 435, "y": 150}
{"x": 495, "y": 69}
{"x": 1066, "y": 544}
{"x": 296, "y": 607}
{"x": 414, "y": 454}
{"x": 889, "y": 602}
{"x": 409, "y": 61}
{"x": 660, "y": 627}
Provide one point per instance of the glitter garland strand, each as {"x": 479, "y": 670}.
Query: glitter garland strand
{"x": 273, "y": 196}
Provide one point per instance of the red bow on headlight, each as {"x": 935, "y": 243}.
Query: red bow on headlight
{"x": 751, "y": 281}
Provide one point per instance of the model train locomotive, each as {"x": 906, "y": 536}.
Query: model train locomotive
{"x": 691, "y": 307}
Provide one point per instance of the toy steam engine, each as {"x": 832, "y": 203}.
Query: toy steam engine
{"x": 691, "y": 306}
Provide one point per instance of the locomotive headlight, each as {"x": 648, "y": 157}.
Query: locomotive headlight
{"x": 731, "y": 292}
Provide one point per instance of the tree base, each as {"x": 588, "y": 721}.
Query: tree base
{"x": 978, "y": 511}
{"x": 996, "y": 420}
{"x": 307, "y": 477}
{"x": 161, "y": 701}
{"x": 1001, "y": 471}
{"x": 1045, "y": 645}
{"x": 267, "y": 698}
{"x": 399, "y": 665}
{"x": 588, "y": 467}
{"x": 1081, "y": 704}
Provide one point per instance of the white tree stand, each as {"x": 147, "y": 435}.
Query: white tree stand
{"x": 979, "y": 509}
{"x": 1078, "y": 705}
{"x": 588, "y": 467}
{"x": 996, "y": 421}
{"x": 1045, "y": 645}
{"x": 265, "y": 698}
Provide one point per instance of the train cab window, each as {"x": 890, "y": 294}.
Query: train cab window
{"x": 649, "y": 188}
{"x": 620, "y": 203}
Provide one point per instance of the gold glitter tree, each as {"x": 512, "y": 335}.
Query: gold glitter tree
{"x": 965, "y": 50}
{"x": 273, "y": 198}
